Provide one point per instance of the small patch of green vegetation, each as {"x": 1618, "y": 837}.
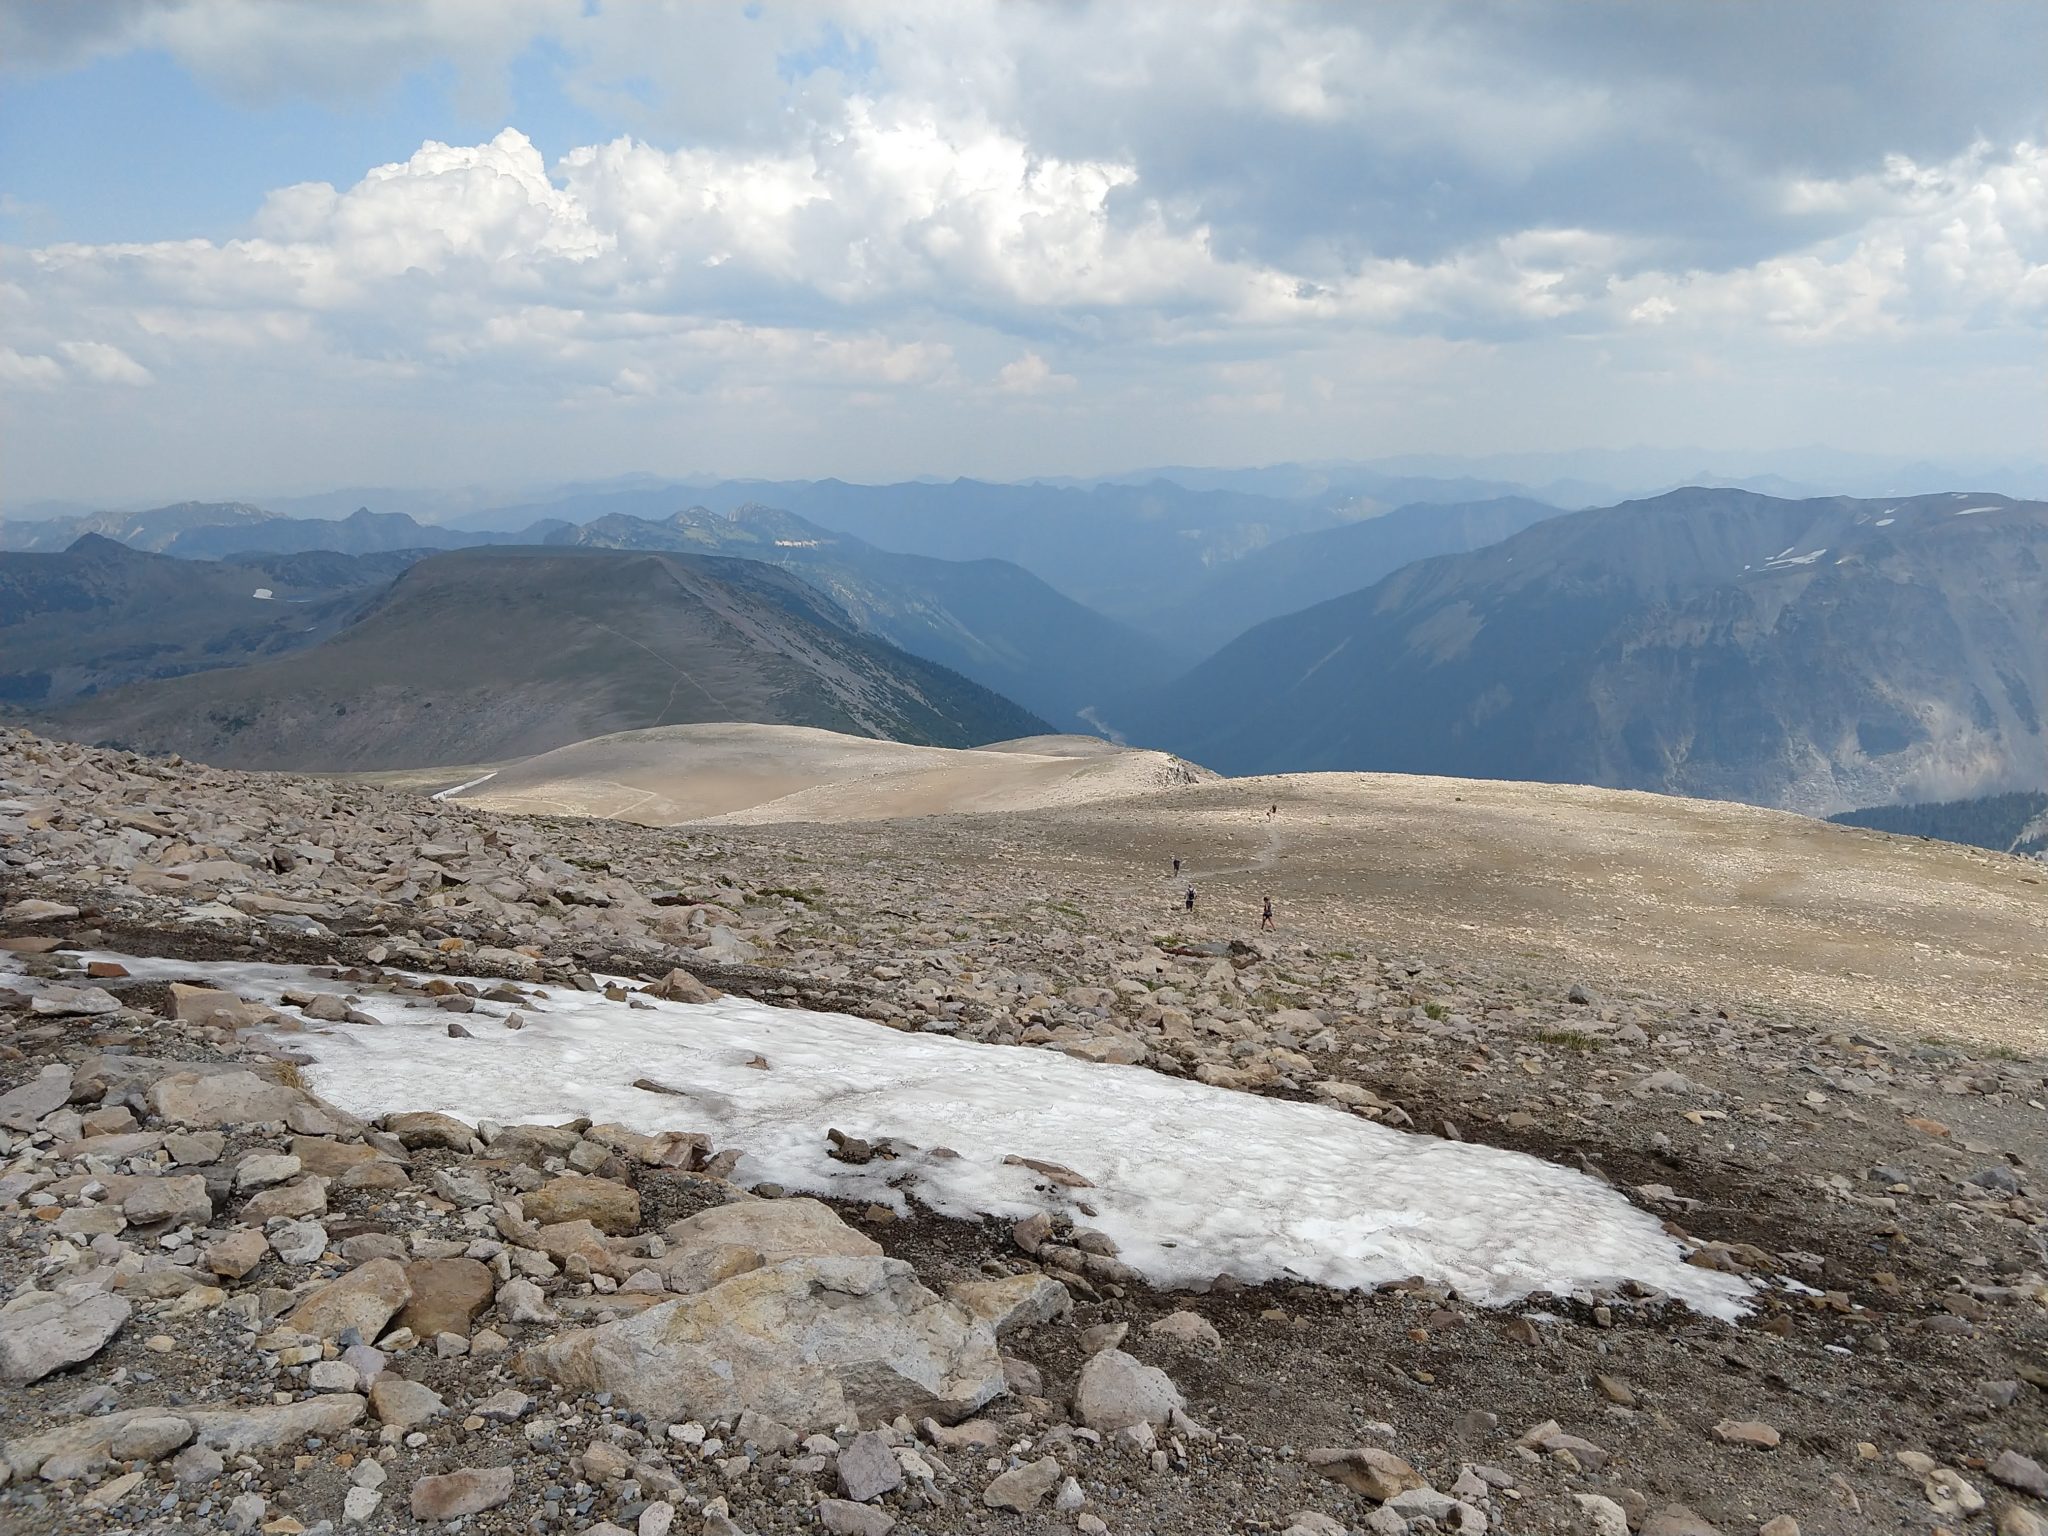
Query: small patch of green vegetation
{"x": 1342, "y": 954}
{"x": 1570, "y": 1039}
{"x": 1436, "y": 1010}
{"x": 592, "y": 866}
{"x": 1067, "y": 909}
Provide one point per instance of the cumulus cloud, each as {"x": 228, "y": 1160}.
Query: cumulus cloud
{"x": 1031, "y": 375}
{"x": 29, "y": 370}
{"x": 871, "y": 203}
{"x": 104, "y": 364}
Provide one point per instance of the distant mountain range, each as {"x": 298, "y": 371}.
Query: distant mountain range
{"x": 100, "y": 614}
{"x": 1114, "y": 548}
{"x": 990, "y": 620}
{"x": 1309, "y": 568}
{"x": 986, "y": 619}
{"x": 1817, "y": 655}
{"x": 1820, "y": 653}
{"x": 480, "y": 655}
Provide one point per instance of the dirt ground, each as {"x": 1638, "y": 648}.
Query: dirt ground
{"x": 1697, "y": 900}
{"x": 1816, "y": 1053}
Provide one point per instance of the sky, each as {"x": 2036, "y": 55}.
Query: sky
{"x": 282, "y": 245}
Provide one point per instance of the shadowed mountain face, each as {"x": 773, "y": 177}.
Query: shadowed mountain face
{"x": 1309, "y": 568}
{"x": 989, "y": 620}
{"x": 100, "y": 615}
{"x": 486, "y": 654}
{"x": 1816, "y": 655}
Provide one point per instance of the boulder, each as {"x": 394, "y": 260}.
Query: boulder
{"x": 1014, "y": 1301}
{"x": 811, "y": 1342}
{"x": 467, "y": 1491}
{"x": 221, "y": 1098}
{"x": 304, "y": 1196}
{"x": 1188, "y": 1331}
{"x": 60, "y": 1002}
{"x": 44, "y": 1331}
{"x": 242, "y": 1430}
{"x": 1677, "y": 1520}
{"x": 404, "y": 1403}
{"x": 179, "y": 1198}
{"x": 565, "y": 1240}
{"x": 209, "y": 1005}
{"x": 330, "y": 1158}
{"x": 607, "y": 1205}
{"x": 533, "y": 1144}
{"x": 237, "y": 1253}
{"x": 1116, "y": 1391}
{"x": 260, "y": 1170}
{"x": 149, "y": 1437}
{"x": 868, "y": 1468}
{"x": 776, "y": 1229}
{"x": 1367, "y": 1470}
{"x": 1021, "y": 1488}
{"x": 426, "y": 1128}
{"x": 34, "y": 909}
{"x": 843, "y": 1517}
{"x": 447, "y": 1294}
{"x": 49, "y": 1090}
{"x": 363, "y": 1299}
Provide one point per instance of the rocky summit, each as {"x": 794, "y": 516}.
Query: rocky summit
{"x": 233, "y": 1306}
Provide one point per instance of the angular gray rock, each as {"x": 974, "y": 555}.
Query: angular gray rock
{"x": 1014, "y": 1301}
{"x": 222, "y": 1098}
{"x": 812, "y": 1342}
{"x": 44, "y": 1331}
{"x": 868, "y": 1468}
{"x": 466, "y": 1491}
{"x": 1116, "y": 1391}
{"x": 1021, "y": 1488}
{"x": 49, "y": 1090}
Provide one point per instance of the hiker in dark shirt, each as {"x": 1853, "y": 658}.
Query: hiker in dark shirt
{"x": 1266, "y": 917}
{"x": 1191, "y": 898}
{"x": 1176, "y": 864}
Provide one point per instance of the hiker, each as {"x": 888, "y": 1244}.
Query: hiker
{"x": 1266, "y": 917}
{"x": 1191, "y": 898}
{"x": 1176, "y": 866}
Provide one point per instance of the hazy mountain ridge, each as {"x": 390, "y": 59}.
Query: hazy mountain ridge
{"x": 153, "y": 529}
{"x": 100, "y": 614}
{"x": 989, "y": 620}
{"x": 485, "y": 654}
{"x": 1111, "y": 547}
{"x": 362, "y": 532}
{"x": 1813, "y": 654}
{"x": 1310, "y": 568}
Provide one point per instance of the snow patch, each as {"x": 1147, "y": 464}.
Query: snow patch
{"x": 1971, "y": 511}
{"x": 1191, "y": 1181}
{"x": 455, "y": 789}
{"x": 263, "y": 592}
{"x": 1886, "y": 522}
{"x": 1785, "y": 559}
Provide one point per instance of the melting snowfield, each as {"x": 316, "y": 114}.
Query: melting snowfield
{"x": 1191, "y": 1181}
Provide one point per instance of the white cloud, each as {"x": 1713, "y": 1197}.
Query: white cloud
{"x": 104, "y": 364}
{"x": 1098, "y": 202}
{"x": 28, "y": 370}
{"x": 1031, "y": 375}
